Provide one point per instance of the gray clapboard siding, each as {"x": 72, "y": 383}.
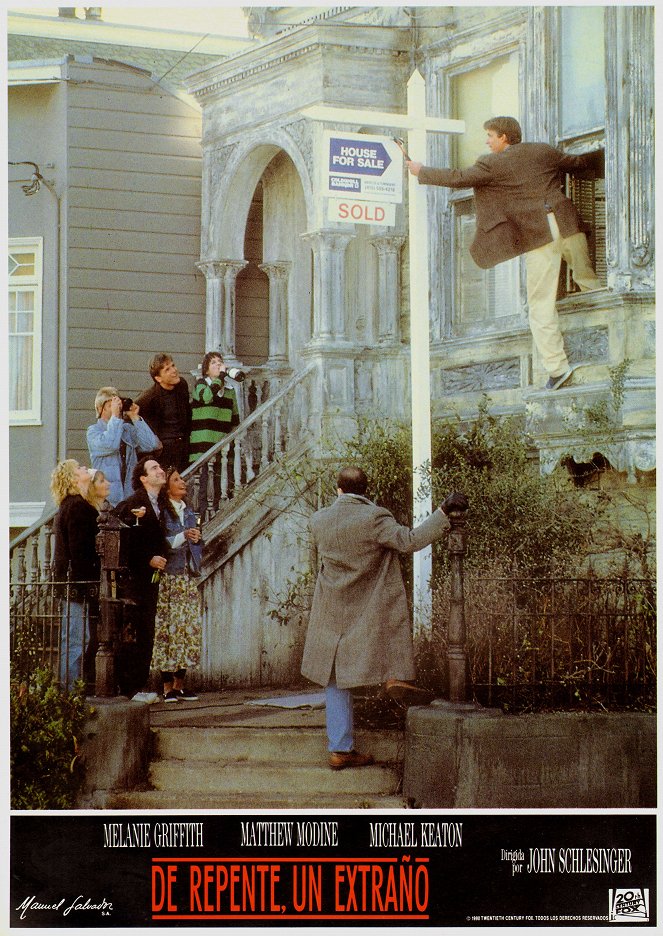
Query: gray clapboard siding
{"x": 131, "y": 180}
{"x": 145, "y": 302}
{"x": 123, "y": 121}
{"x": 130, "y": 260}
{"x": 133, "y": 142}
{"x": 132, "y": 321}
{"x": 121, "y": 279}
{"x": 117, "y": 200}
{"x": 100, "y": 97}
{"x": 152, "y": 221}
{"x": 179, "y": 166}
{"x": 134, "y": 186}
{"x": 138, "y": 242}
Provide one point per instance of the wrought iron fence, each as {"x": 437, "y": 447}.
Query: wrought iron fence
{"x": 47, "y": 618}
{"x": 559, "y": 642}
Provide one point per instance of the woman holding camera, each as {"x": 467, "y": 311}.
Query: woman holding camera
{"x": 116, "y": 439}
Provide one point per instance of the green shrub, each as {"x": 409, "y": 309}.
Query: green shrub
{"x": 519, "y": 521}
{"x": 46, "y": 725}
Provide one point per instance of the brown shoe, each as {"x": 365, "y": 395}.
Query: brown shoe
{"x": 407, "y": 693}
{"x": 339, "y": 760}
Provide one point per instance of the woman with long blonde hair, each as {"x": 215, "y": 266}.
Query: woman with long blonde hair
{"x": 76, "y": 566}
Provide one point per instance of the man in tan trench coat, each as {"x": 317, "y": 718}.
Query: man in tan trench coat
{"x": 359, "y": 631}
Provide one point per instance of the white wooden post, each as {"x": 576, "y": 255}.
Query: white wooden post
{"x": 418, "y": 239}
{"x": 417, "y": 124}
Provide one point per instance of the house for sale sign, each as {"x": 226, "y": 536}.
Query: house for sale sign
{"x": 362, "y": 166}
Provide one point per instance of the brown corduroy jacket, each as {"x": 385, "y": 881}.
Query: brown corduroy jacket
{"x": 513, "y": 191}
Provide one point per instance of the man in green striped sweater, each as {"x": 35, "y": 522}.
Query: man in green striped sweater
{"x": 214, "y": 413}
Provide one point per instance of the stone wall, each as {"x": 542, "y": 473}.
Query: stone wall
{"x": 482, "y": 759}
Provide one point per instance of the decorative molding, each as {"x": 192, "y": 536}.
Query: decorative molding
{"x": 587, "y": 344}
{"x": 489, "y": 375}
{"x": 243, "y": 74}
{"x": 301, "y": 133}
{"x": 628, "y": 455}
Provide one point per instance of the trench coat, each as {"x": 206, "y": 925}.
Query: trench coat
{"x": 359, "y": 621}
{"x": 513, "y": 192}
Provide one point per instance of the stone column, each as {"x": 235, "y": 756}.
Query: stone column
{"x": 221, "y": 276}
{"x": 629, "y": 35}
{"x": 389, "y": 287}
{"x": 329, "y": 321}
{"x": 278, "y": 274}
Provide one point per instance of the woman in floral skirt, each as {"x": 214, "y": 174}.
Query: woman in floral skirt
{"x": 178, "y": 624}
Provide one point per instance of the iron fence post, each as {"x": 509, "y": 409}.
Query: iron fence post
{"x": 456, "y": 640}
{"x": 111, "y": 546}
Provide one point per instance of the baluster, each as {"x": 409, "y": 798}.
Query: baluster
{"x": 49, "y": 557}
{"x": 194, "y": 481}
{"x": 237, "y": 464}
{"x": 21, "y": 570}
{"x": 264, "y": 441}
{"x": 34, "y": 562}
{"x": 223, "y": 456}
{"x": 278, "y": 441}
{"x": 248, "y": 461}
{"x": 211, "y": 495}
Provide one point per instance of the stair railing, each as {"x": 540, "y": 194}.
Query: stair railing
{"x": 275, "y": 426}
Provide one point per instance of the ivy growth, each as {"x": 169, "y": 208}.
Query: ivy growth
{"x": 46, "y": 726}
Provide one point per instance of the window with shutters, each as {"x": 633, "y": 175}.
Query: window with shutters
{"x": 581, "y": 122}
{"x": 588, "y": 195}
{"x": 24, "y": 324}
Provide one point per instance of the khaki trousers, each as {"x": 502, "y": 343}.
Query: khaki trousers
{"x": 542, "y": 267}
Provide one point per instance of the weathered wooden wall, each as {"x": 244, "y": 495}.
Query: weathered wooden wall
{"x": 133, "y": 231}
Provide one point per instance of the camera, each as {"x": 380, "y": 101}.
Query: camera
{"x": 127, "y": 403}
{"x": 235, "y": 373}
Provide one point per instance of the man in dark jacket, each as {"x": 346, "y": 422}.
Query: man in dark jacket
{"x": 521, "y": 209}
{"x": 166, "y": 409}
{"x": 147, "y": 556}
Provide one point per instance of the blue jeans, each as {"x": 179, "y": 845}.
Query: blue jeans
{"x": 339, "y": 717}
{"x": 74, "y": 637}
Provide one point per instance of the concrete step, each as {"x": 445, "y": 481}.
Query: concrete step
{"x": 262, "y": 778}
{"x": 301, "y": 746}
{"x": 164, "y": 799}
{"x": 229, "y": 752}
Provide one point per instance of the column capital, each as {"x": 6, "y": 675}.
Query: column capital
{"x": 388, "y": 243}
{"x": 332, "y": 240}
{"x": 217, "y": 269}
{"x": 276, "y": 269}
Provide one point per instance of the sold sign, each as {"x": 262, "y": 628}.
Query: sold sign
{"x": 359, "y": 212}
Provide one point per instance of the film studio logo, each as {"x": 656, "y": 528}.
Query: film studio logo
{"x": 629, "y": 905}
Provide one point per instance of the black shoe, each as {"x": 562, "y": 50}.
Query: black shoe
{"x": 171, "y": 696}
{"x": 559, "y": 380}
{"x": 186, "y": 695}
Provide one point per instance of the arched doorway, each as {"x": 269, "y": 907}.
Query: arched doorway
{"x": 252, "y": 291}
{"x": 275, "y": 220}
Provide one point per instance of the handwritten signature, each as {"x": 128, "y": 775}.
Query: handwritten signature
{"x": 80, "y": 903}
